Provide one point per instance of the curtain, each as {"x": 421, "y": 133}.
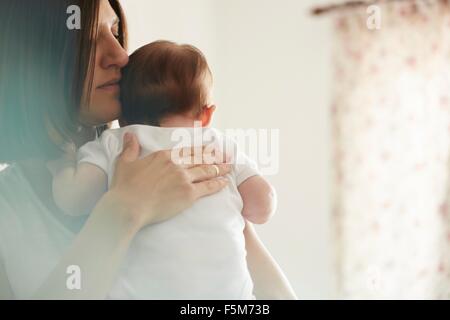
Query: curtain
{"x": 391, "y": 139}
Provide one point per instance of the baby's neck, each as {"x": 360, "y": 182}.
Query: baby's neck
{"x": 175, "y": 121}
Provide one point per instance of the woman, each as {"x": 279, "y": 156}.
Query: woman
{"x": 58, "y": 87}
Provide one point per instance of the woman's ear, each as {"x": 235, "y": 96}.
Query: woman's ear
{"x": 206, "y": 114}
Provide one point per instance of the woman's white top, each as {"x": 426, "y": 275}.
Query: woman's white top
{"x": 32, "y": 239}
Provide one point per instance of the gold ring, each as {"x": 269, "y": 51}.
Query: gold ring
{"x": 217, "y": 170}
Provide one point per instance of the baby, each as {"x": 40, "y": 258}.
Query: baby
{"x": 200, "y": 253}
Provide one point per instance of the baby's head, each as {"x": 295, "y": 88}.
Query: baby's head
{"x": 165, "y": 80}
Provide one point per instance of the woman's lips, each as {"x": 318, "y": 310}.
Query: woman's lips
{"x": 111, "y": 86}
{"x": 114, "y": 87}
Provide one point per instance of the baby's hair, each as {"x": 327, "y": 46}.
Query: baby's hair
{"x": 161, "y": 79}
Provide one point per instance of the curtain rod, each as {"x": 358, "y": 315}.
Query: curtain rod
{"x": 321, "y": 10}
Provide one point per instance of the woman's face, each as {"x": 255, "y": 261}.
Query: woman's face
{"x": 110, "y": 58}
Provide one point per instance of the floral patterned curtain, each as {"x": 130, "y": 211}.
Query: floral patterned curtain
{"x": 391, "y": 132}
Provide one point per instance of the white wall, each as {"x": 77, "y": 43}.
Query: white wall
{"x": 184, "y": 21}
{"x": 271, "y": 67}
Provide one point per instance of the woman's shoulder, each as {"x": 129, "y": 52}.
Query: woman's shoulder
{"x": 17, "y": 197}
{"x": 13, "y": 189}
{"x": 21, "y": 210}
{"x": 11, "y": 181}
{"x": 12, "y": 203}
{"x": 31, "y": 240}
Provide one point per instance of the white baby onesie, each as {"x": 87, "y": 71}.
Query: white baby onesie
{"x": 198, "y": 254}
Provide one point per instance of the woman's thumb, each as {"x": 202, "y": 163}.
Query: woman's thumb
{"x": 131, "y": 147}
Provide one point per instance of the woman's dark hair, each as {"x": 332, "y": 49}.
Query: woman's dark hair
{"x": 163, "y": 78}
{"x": 44, "y": 66}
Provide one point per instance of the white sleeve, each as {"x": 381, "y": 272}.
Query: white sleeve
{"x": 94, "y": 152}
{"x": 245, "y": 169}
{"x": 244, "y": 166}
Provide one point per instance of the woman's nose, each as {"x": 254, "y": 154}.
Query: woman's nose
{"x": 115, "y": 57}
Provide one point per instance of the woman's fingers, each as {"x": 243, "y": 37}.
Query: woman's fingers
{"x": 208, "y": 187}
{"x": 131, "y": 148}
{"x": 190, "y": 157}
{"x": 207, "y": 172}
{"x": 193, "y": 156}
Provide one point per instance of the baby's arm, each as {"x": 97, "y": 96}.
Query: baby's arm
{"x": 76, "y": 189}
{"x": 259, "y": 199}
{"x": 269, "y": 282}
{"x": 77, "y": 186}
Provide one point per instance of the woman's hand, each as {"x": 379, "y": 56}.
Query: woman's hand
{"x": 154, "y": 188}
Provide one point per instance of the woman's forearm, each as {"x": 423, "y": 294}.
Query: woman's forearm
{"x": 268, "y": 279}
{"x": 98, "y": 251}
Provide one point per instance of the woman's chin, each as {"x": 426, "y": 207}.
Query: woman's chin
{"x": 101, "y": 113}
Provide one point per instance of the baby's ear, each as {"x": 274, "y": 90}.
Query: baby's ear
{"x": 206, "y": 115}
